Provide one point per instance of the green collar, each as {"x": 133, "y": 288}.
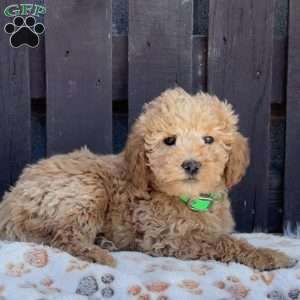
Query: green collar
{"x": 202, "y": 203}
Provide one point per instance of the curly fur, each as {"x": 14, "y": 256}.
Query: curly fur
{"x": 131, "y": 200}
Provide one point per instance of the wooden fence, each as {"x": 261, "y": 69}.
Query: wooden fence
{"x": 81, "y": 69}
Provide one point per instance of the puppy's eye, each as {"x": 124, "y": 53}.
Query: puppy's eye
{"x": 208, "y": 139}
{"x": 170, "y": 141}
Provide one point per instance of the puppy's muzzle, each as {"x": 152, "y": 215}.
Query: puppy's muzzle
{"x": 191, "y": 167}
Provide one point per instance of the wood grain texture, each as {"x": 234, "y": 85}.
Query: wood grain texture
{"x": 119, "y": 71}
{"x": 239, "y": 69}
{"x": 120, "y": 67}
{"x": 292, "y": 162}
{"x": 78, "y": 64}
{"x": 160, "y": 49}
{"x": 14, "y": 107}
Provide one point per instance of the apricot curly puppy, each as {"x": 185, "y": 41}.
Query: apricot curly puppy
{"x": 166, "y": 194}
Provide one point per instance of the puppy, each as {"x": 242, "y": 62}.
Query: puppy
{"x": 166, "y": 194}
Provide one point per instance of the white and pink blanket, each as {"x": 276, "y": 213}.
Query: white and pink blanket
{"x": 35, "y": 272}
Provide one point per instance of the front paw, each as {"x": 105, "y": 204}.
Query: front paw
{"x": 105, "y": 244}
{"x": 265, "y": 259}
{"x": 105, "y": 258}
{"x": 97, "y": 255}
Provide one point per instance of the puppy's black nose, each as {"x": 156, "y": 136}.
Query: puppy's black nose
{"x": 191, "y": 167}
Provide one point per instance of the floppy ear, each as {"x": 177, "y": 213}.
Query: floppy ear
{"x": 136, "y": 161}
{"x": 238, "y": 161}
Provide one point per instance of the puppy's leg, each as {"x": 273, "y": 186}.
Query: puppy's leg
{"x": 105, "y": 244}
{"x": 196, "y": 244}
{"x": 229, "y": 249}
{"x": 85, "y": 251}
{"x": 76, "y": 232}
{"x": 79, "y": 241}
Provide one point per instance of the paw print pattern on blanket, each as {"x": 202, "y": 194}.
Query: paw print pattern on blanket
{"x": 87, "y": 286}
{"x": 29, "y": 271}
{"x": 157, "y": 286}
{"x": 191, "y": 286}
{"x": 45, "y": 286}
{"x": 294, "y": 294}
{"x": 76, "y": 265}
{"x": 265, "y": 277}
{"x": 142, "y": 292}
{"x": 2, "y": 288}
{"x": 201, "y": 269}
{"x": 16, "y": 270}
{"x": 36, "y": 257}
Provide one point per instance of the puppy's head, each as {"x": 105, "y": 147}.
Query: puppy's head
{"x": 186, "y": 145}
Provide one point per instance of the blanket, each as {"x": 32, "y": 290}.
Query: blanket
{"x": 30, "y": 271}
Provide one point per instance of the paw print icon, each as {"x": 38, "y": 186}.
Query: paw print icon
{"x": 24, "y": 32}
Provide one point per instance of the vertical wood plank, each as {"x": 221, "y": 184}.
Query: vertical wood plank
{"x": 78, "y": 75}
{"x": 292, "y": 167}
{"x": 160, "y": 49}
{"x": 239, "y": 69}
{"x": 14, "y": 107}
